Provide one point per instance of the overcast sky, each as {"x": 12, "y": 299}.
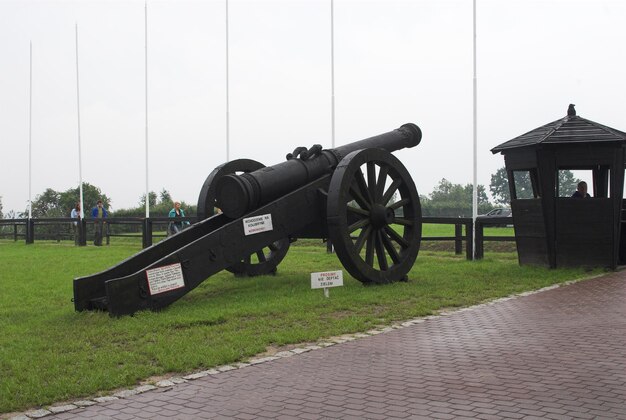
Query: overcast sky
{"x": 395, "y": 62}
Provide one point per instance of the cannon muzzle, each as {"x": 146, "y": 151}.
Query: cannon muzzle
{"x": 238, "y": 194}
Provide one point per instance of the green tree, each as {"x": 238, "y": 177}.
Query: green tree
{"x": 499, "y": 187}
{"x": 46, "y": 204}
{"x": 52, "y": 203}
{"x": 91, "y": 195}
{"x": 455, "y": 200}
{"x": 567, "y": 183}
{"x": 160, "y": 208}
{"x": 165, "y": 196}
{"x": 1, "y": 207}
{"x": 152, "y": 202}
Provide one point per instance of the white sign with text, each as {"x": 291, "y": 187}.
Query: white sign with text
{"x": 257, "y": 224}
{"x": 166, "y": 278}
{"x": 326, "y": 279}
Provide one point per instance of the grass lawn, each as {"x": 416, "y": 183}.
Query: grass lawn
{"x": 50, "y": 353}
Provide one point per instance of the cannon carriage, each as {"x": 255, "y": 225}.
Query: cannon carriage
{"x": 359, "y": 196}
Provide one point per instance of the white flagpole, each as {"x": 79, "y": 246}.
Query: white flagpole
{"x": 146, "y": 79}
{"x": 332, "y": 70}
{"x": 475, "y": 131}
{"x": 30, "y": 135}
{"x": 227, "y": 93}
{"x": 80, "y": 154}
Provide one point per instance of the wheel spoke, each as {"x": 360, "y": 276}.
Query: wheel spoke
{"x": 380, "y": 184}
{"x": 396, "y": 237}
{"x": 393, "y": 253}
{"x": 359, "y": 211}
{"x": 369, "y": 248}
{"x": 358, "y": 197}
{"x": 261, "y": 256}
{"x": 402, "y": 221}
{"x": 362, "y": 238}
{"x": 390, "y": 191}
{"x": 371, "y": 180}
{"x": 399, "y": 204}
{"x": 358, "y": 225}
{"x": 248, "y": 259}
{"x": 380, "y": 252}
{"x": 365, "y": 192}
{"x": 273, "y": 247}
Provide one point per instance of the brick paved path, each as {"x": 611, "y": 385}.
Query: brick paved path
{"x": 557, "y": 354}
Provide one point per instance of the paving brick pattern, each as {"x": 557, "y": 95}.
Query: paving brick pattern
{"x": 559, "y": 354}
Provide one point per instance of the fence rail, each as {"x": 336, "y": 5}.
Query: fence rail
{"x": 66, "y": 228}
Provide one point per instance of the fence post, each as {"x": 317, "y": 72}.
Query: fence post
{"x": 30, "y": 231}
{"x": 108, "y": 233}
{"x": 480, "y": 252}
{"x": 458, "y": 238}
{"x": 146, "y": 232}
{"x": 469, "y": 241}
{"x": 82, "y": 232}
{"x": 15, "y": 232}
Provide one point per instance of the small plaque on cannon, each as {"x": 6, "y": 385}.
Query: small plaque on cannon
{"x": 166, "y": 278}
{"x": 257, "y": 224}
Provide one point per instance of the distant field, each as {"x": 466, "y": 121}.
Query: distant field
{"x": 50, "y": 353}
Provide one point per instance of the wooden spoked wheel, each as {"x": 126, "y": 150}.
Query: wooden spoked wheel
{"x": 374, "y": 216}
{"x": 263, "y": 261}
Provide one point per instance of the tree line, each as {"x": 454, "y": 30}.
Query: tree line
{"x": 446, "y": 200}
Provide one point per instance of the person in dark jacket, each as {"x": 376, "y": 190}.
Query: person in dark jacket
{"x": 99, "y": 213}
{"x": 581, "y": 191}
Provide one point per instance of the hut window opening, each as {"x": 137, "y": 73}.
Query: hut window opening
{"x": 596, "y": 178}
{"x": 524, "y": 184}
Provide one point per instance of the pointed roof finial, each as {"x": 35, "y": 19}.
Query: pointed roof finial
{"x": 571, "y": 112}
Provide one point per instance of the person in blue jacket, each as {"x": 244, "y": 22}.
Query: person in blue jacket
{"x": 177, "y": 212}
{"x": 99, "y": 213}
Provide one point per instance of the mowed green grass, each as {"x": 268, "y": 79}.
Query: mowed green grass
{"x": 50, "y": 353}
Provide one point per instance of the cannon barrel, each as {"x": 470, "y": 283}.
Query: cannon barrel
{"x": 238, "y": 194}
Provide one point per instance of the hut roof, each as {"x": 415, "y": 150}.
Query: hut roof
{"x": 569, "y": 130}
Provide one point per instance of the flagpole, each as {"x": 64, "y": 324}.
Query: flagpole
{"x": 80, "y": 153}
{"x": 146, "y": 91}
{"x": 475, "y": 133}
{"x": 227, "y": 92}
{"x": 332, "y": 70}
{"x": 30, "y": 135}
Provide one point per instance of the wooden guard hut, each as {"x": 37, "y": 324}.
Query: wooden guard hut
{"x": 552, "y": 228}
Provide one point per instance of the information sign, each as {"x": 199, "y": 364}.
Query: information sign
{"x": 166, "y": 278}
{"x": 257, "y": 224}
{"x": 326, "y": 279}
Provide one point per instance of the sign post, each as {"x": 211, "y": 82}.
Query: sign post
{"x": 326, "y": 279}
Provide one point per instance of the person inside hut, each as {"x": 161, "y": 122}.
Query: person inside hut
{"x": 581, "y": 191}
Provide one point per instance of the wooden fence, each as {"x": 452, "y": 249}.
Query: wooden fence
{"x": 65, "y": 229}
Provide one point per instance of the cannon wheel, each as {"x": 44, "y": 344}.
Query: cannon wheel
{"x": 265, "y": 260}
{"x": 374, "y": 216}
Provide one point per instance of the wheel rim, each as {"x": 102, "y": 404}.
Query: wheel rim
{"x": 206, "y": 200}
{"x": 374, "y": 216}
{"x": 263, "y": 261}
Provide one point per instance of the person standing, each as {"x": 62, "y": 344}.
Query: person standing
{"x": 176, "y": 212}
{"x": 99, "y": 213}
{"x": 75, "y": 214}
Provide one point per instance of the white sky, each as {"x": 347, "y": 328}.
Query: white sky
{"x": 395, "y": 62}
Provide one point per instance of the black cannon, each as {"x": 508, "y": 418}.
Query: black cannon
{"x": 359, "y": 196}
